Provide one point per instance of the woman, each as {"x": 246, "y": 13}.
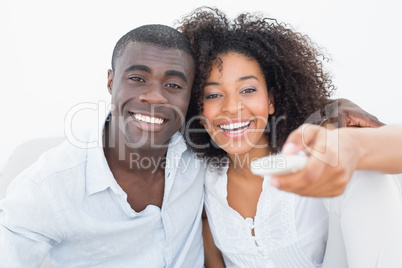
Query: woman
{"x": 257, "y": 81}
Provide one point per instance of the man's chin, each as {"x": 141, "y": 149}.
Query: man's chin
{"x": 147, "y": 142}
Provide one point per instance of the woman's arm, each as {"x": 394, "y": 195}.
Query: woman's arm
{"x": 335, "y": 154}
{"x": 381, "y": 148}
{"x": 213, "y": 256}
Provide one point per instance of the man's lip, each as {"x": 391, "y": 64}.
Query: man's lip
{"x": 156, "y": 115}
{"x": 149, "y": 125}
{"x": 159, "y": 115}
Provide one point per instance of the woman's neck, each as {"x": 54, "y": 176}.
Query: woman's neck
{"x": 240, "y": 163}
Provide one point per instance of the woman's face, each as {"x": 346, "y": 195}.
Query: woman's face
{"x": 236, "y": 104}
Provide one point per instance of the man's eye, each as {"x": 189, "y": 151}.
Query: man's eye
{"x": 212, "y": 96}
{"x": 248, "y": 90}
{"x": 175, "y": 86}
{"x": 137, "y": 79}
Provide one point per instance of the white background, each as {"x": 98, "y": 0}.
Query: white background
{"x": 54, "y": 55}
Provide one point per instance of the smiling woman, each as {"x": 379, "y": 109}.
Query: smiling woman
{"x": 256, "y": 81}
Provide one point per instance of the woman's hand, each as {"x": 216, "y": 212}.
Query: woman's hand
{"x": 336, "y": 153}
{"x": 333, "y": 157}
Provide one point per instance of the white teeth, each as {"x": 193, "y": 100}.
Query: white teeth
{"x": 234, "y": 126}
{"x": 148, "y": 119}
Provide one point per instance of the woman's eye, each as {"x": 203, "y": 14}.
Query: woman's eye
{"x": 137, "y": 79}
{"x": 248, "y": 90}
{"x": 212, "y": 96}
{"x": 175, "y": 86}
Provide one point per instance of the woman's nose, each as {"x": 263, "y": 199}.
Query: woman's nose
{"x": 232, "y": 105}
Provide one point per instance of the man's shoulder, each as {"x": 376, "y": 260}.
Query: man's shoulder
{"x": 61, "y": 159}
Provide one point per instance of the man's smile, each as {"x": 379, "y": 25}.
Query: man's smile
{"x": 148, "y": 119}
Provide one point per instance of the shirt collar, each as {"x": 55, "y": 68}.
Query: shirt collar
{"x": 177, "y": 144}
{"x": 98, "y": 174}
{"x": 99, "y": 177}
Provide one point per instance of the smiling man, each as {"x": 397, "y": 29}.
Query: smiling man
{"x": 95, "y": 207}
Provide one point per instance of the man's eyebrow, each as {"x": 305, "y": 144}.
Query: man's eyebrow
{"x": 247, "y": 77}
{"x": 138, "y": 68}
{"x": 176, "y": 73}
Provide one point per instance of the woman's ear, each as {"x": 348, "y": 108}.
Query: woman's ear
{"x": 110, "y": 80}
{"x": 202, "y": 120}
{"x": 271, "y": 106}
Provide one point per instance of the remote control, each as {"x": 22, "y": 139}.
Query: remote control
{"x": 279, "y": 164}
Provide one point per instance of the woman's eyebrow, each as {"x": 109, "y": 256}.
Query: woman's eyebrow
{"x": 247, "y": 77}
{"x": 212, "y": 84}
{"x": 243, "y": 78}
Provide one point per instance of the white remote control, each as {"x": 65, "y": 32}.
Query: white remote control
{"x": 279, "y": 164}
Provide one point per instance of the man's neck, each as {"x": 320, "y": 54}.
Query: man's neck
{"x": 122, "y": 156}
{"x": 139, "y": 172}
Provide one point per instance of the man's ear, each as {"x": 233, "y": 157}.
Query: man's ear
{"x": 110, "y": 75}
{"x": 271, "y": 106}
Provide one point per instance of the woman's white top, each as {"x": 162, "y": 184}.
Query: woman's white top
{"x": 290, "y": 230}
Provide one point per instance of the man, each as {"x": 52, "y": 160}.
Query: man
{"x": 135, "y": 201}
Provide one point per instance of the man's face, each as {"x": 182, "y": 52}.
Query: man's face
{"x": 150, "y": 90}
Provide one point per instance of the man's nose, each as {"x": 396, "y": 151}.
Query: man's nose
{"x": 154, "y": 94}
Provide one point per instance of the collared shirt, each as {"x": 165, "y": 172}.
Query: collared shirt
{"x": 69, "y": 205}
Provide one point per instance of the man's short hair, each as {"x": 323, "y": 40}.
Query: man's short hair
{"x": 154, "y": 34}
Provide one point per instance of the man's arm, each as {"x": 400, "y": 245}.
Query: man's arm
{"x": 348, "y": 114}
{"x": 26, "y": 225}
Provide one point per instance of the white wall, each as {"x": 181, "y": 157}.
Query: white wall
{"x": 55, "y": 54}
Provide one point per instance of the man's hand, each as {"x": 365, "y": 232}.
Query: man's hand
{"x": 348, "y": 114}
{"x": 332, "y": 161}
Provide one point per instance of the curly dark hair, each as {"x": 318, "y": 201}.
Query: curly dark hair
{"x": 290, "y": 62}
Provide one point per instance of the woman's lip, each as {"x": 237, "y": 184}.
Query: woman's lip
{"x": 235, "y": 134}
{"x": 235, "y": 125}
{"x": 233, "y": 121}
